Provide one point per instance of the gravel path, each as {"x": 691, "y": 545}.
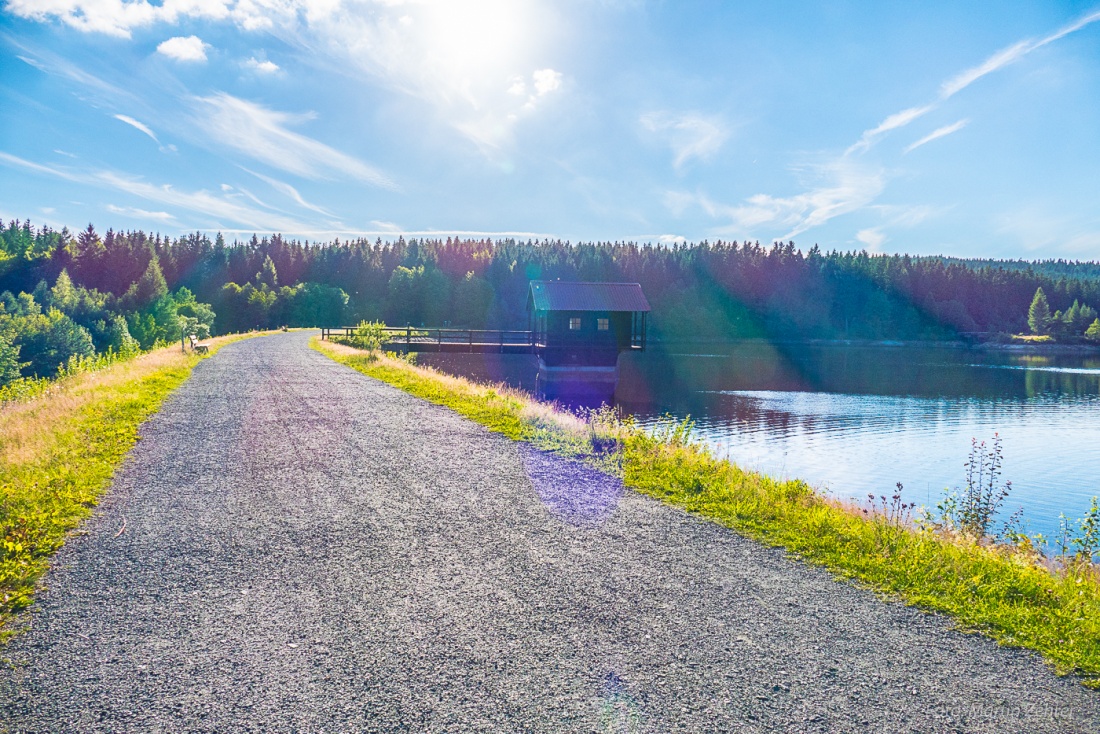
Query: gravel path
{"x": 309, "y": 550}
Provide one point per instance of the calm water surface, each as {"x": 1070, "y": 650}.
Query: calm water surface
{"x": 857, "y": 420}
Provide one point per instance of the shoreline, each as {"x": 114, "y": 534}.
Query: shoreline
{"x": 1007, "y": 592}
{"x": 955, "y": 345}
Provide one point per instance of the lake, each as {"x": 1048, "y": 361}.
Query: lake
{"x": 857, "y": 420}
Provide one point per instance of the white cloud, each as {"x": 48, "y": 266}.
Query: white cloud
{"x": 460, "y": 57}
{"x": 116, "y": 17}
{"x": 288, "y": 191}
{"x": 262, "y": 67}
{"x": 184, "y": 48}
{"x": 936, "y": 134}
{"x": 999, "y": 60}
{"x": 661, "y": 239}
{"x": 546, "y": 81}
{"x": 466, "y": 59}
{"x": 841, "y": 187}
{"x": 202, "y": 202}
{"x": 893, "y": 122}
{"x": 386, "y": 226}
{"x": 51, "y": 63}
{"x": 961, "y": 81}
{"x": 130, "y": 211}
{"x": 690, "y": 135}
{"x": 139, "y": 126}
{"x": 873, "y": 238}
{"x": 262, "y": 134}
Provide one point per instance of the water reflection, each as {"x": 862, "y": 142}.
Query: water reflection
{"x": 856, "y": 420}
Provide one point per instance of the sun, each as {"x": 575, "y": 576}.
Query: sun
{"x": 476, "y": 40}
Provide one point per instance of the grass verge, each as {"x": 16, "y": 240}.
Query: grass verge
{"x": 58, "y": 453}
{"x": 1008, "y": 595}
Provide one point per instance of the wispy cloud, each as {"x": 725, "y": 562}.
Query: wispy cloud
{"x": 289, "y": 191}
{"x": 467, "y": 60}
{"x": 138, "y": 125}
{"x": 457, "y": 56}
{"x": 689, "y": 134}
{"x": 937, "y": 133}
{"x": 262, "y": 134}
{"x": 999, "y": 60}
{"x": 873, "y": 238}
{"x": 893, "y": 122}
{"x": 964, "y": 79}
{"x": 841, "y": 187}
{"x": 189, "y": 49}
{"x": 220, "y": 208}
{"x": 130, "y": 211}
{"x": 845, "y": 186}
{"x": 50, "y": 63}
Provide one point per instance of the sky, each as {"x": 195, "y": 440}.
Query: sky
{"x": 966, "y": 129}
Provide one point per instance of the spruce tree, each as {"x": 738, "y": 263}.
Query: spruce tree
{"x": 1093, "y": 332}
{"x": 1038, "y": 316}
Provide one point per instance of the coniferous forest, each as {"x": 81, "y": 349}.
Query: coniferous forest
{"x": 85, "y": 294}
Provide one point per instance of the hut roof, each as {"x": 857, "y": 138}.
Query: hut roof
{"x": 556, "y": 295}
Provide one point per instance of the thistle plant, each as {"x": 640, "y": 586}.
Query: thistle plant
{"x": 894, "y": 511}
{"x": 1087, "y": 541}
{"x": 972, "y": 509}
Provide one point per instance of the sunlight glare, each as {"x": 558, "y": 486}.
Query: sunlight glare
{"x": 476, "y": 40}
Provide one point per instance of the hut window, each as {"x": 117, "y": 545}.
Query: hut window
{"x": 575, "y": 324}
{"x": 603, "y": 324}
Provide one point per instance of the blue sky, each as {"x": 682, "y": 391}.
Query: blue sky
{"x": 968, "y": 129}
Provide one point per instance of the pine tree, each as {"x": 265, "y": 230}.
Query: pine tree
{"x": 268, "y": 275}
{"x": 9, "y": 361}
{"x": 150, "y": 287}
{"x": 1038, "y": 316}
{"x": 1093, "y": 332}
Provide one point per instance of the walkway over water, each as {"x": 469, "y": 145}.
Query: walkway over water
{"x": 308, "y": 549}
{"x": 483, "y": 341}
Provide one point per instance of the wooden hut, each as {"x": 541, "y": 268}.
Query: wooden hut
{"x": 580, "y": 329}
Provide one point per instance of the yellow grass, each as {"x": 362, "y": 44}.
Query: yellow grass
{"x": 59, "y": 451}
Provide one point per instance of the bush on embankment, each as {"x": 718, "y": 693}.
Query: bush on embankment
{"x": 59, "y": 448}
{"x": 1006, "y": 592}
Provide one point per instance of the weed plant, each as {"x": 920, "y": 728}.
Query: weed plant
{"x": 369, "y": 336}
{"x": 997, "y": 589}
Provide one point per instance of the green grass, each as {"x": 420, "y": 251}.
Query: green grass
{"x": 58, "y": 453}
{"x": 1008, "y": 595}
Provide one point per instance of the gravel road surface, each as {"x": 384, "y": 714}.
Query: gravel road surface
{"x": 309, "y": 550}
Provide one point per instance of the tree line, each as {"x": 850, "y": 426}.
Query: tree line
{"x": 700, "y": 291}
